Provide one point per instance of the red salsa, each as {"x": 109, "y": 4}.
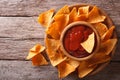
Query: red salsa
{"x": 72, "y": 39}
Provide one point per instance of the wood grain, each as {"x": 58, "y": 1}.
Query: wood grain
{"x": 19, "y": 34}
{"x": 23, "y": 70}
{"x": 19, "y": 31}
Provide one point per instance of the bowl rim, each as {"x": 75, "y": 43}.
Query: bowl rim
{"x": 72, "y": 25}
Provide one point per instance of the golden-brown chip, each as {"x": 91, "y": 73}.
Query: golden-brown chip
{"x": 108, "y": 46}
{"x": 101, "y": 28}
{"x": 38, "y": 60}
{"x": 88, "y": 45}
{"x": 83, "y": 10}
{"x": 63, "y": 10}
{"x": 103, "y": 54}
{"x": 84, "y": 70}
{"x": 73, "y": 62}
{"x": 53, "y": 30}
{"x": 56, "y": 56}
{"x": 36, "y": 56}
{"x": 60, "y": 22}
{"x": 108, "y": 34}
{"x": 72, "y": 15}
{"x": 82, "y": 17}
{"x": 65, "y": 69}
{"x": 35, "y": 50}
{"x": 45, "y": 18}
{"x": 94, "y": 16}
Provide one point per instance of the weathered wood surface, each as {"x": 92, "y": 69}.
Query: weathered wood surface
{"x": 19, "y": 31}
{"x": 22, "y": 70}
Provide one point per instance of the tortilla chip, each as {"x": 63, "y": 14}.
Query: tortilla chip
{"x": 63, "y": 10}
{"x": 58, "y": 25}
{"x": 94, "y": 16}
{"x": 88, "y": 45}
{"x": 39, "y": 60}
{"x": 101, "y": 28}
{"x": 108, "y": 34}
{"x": 84, "y": 70}
{"x": 65, "y": 69}
{"x": 73, "y": 62}
{"x": 102, "y": 55}
{"x": 62, "y": 20}
{"x": 55, "y": 55}
{"x": 36, "y": 56}
{"x": 83, "y": 10}
{"x": 108, "y": 46}
{"x": 53, "y": 30}
{"x": 82, "y": 17}
{"x": 72, "y": 15}
{"x": 35, "y": 50}
{"x": 45, "y": 18}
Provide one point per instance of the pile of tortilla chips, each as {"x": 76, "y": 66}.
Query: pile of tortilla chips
{"x": 56, "y": 22}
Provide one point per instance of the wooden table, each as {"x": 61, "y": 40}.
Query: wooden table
{"x": 19, "y": 31}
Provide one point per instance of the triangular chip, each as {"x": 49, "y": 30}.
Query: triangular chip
{"x": 63, "y": 10}
{"x": 53, "y": 30}
{"x": 82, "y": 13}
{"x": 39, "y": 60}
{"x": 94, "y": 16}
{"x": 73, "y": 62}
{"x": 84, "y": 70}
{"x": 65, "y": 69}
{"x": 108, "y": 46}
{"x": 72, "y": 15}
{"x": 35, "y": 50}
{"x": 101, "y": 28}
{"x": 88, "y": 45}
{"x": 55, "y": 55}
{"x": 83, "y": 10}
{"x": 60, "y": 22}
{"x": 108, "y": 34}
{"x": 45, "y": 18}
{"x": 36, "y": 56}
{"x": 98, "y": 59}
{"x": 103, "y": 54}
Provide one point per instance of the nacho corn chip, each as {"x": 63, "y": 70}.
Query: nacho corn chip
{"x": 55, "y": 29}
{"x": 101, "y": 28}
{"x": 84, "y": 70}
{"x": 108, "y": 34}
{"x": 45, "y": 18}
{"x": 62, "y": 20}
{"x": 103, "y": 54}
{"x": 72, "y": 15}
{"x": 94, "y": 16}
{"x": 65, "y": 69}
{"x": 63, "y": 10}
{"x": 82, "y": 17}
{"x": 35, "y": 50}
{"x": 36, "y": 56}
{"x": 39, "y": 60}
{"x": 73, "y": 62}
{"x": 83, "y": 10}
{"x": 56, "y": 56}
{"x": 108, "y": 46}
{"x": 88, "y": 45}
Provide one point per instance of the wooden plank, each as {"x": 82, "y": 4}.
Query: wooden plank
{"x": 20, "y": 27}
{"x": 19, "y": 34}
{"x": 23, "y": 70}
{"x": 33, "y": 7}
{"x": 19, "y": 48}
{"x": 25, "y": 27}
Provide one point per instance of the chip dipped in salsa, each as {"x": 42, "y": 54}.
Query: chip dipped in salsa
{"x": 73, "y": 39}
